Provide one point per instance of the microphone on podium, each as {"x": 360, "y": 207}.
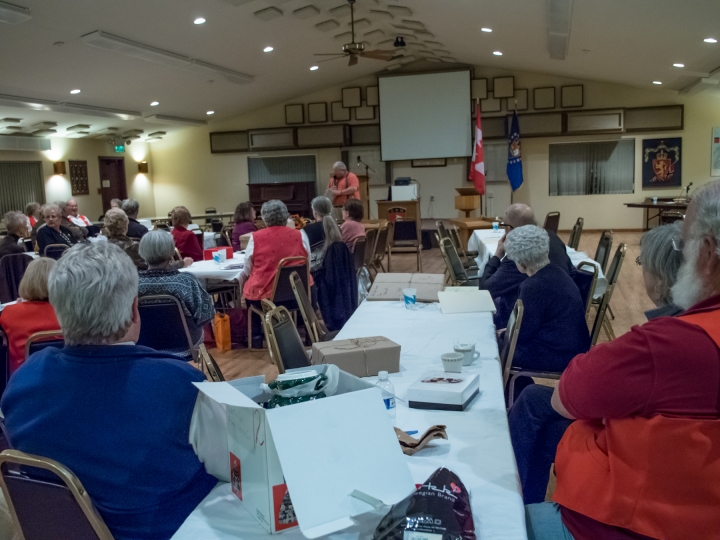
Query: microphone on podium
{"x": 358, "y": 161}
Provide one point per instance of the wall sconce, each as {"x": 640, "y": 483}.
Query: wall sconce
{"x": 59, "y": 167}
{"x": 143, "y": 167}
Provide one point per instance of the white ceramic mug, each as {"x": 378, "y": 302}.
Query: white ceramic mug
{"x": 469, "y": 356}
{"x": 452, "y": 362}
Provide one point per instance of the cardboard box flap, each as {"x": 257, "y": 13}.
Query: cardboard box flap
{"x": 434, "y": 279}
{"x": 386, "y": 277}
{"x": 331, "y": 447}
{"x": 226, "y": 394}
{"x": 465, "y": 300}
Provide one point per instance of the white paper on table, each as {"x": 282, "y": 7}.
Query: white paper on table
{"x": 465, "y": 300}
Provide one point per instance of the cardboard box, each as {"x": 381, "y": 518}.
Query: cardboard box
{"x": 389, "y": 286}
{"x": 443, "y": 391}
{"x": 298, "y": 465}
{"x": 208, "y": 253}
{"x": 363, "y": 357}
{"x": 465, "y": 300}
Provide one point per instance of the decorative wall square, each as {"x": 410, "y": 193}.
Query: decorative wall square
{"x": 294, "y": 113}
{"x": 351, "y": 97}
{"x": 571, "y": 96}
{"x": 338, "y": 112}
{"x": 317, "y": 112}
{"x": 544, "y": 98}
{"x": 79, "y": 177}
{"x": 491, "y": 104}
{"x": 366, "y": 112}
{"x": 478, "y": 88}
{"x": 504, "y": 87}
{"x": 519, "y": 102}
{"x": 372, "y": 96}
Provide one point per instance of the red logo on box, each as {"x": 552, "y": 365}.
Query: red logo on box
{"x": 235, "y": 476}
{"x": 283, "y": 508}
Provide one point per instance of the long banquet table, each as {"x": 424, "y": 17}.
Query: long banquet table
{"x": 478, "y": 448}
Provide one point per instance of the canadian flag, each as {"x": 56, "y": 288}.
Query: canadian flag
{"x": 477, "y": 167}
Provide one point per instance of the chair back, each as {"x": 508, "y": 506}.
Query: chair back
{"x": 405, "y": 231}
{"x": 455, "y": 238}
{"x": 42, "y": 340}
{"x": 284, "y": 343}
{"x": 177, "y": 256}
{"x": 442, "y": 230}
{"x": 396, "y": 213}
{"x": 282, "y": 291}
{"x": 217, "y": 225}
{"x": 612, "y": 276}
{"x": 12, "y": 270}
{"x": 574, "y": 241}
{"x": 55, "y": 251}
{"x": 359, "y": 252}
{"x": 613, "y": 272}
{"x": 210, "y": 210}
{"x": 586, "y": 279}
{"x": 602, "y": 253}
{"x": 54, "y": 505}
{"x": 453, "y": 262}
{"x": 512, "y": 331}
{"x": 162, "y": 225}
{"x": 371, "y": 236}
{"x": 207, "y": 362}
{"x": 314, "y": 326}
{"x": 200, "y": 237}
{"x": 225, "y": 238}
{"x": 552, "y": 222}
{"x": 383, "y": 236}
{"x": 163, "y": 325}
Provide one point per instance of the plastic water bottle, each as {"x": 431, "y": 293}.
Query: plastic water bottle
{"x": 388, "y": 393}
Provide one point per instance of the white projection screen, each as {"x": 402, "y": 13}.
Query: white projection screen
{"x": 425, "y": 115}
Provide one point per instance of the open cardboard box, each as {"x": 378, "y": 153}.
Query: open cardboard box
{"x": 316, "y": 454}
{"x": 389, "y": 286}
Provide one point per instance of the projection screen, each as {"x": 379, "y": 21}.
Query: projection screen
{"x": 425, "y": 115}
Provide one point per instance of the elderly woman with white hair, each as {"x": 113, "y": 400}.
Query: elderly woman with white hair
{"x": 343, "y": 185}
{"x": 266, "y": 248}
{"x": 660, "y": 263}
{"x": 116, "y": 228}
{"x": 115, "y": 413}
{"x": 53, "y": 232}
{"x": 16, "y": 225}
{"x": 161, "y": 277}
{"x": 553, "y": 328}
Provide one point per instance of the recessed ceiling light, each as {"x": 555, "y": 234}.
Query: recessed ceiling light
{"x": 678, "y": 65}
{"x": 710, "y": 40}
{"x": 199, "y": 20}
{"x": 268, "y": 49}
{"x": 76, "y": 91}
{"x": 497, "y": 53}
{"x": 210, "y": 112}
{"x": 314, "y": 68}
{"x": 657, "y": 82}
{"x": 486, "y": 29}
{"x": 155, "y": 104}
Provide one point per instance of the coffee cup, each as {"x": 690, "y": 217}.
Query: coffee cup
{"x": 452, "y": 362}
{"x": 467, "y": 349}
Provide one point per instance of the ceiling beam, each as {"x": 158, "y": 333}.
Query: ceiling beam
{"x": 559, "y": 23}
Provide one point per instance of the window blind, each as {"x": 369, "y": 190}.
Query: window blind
{"x": 21, "y": 182}
{"x": 281, "y": 169}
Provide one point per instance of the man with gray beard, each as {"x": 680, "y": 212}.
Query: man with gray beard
{"x": 638, "y": 419}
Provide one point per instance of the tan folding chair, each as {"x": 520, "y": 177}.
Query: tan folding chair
{"x": 552, "y": 222}
{"x": 603, "y": 304}
{"x": 457, "y": 272}
{"x": 208, "y": 362}
{"x": 589, "y": 268}
{"x": 41, "y": 340}
{"x": 382, "y": 247}
{"x": 55, "y": 251}
{"x": 467, "y": 261}
{"x": 164, "y": 326}
{"x": 512, "y": 331}
{"x": 284, "y": 342}
{"x": 315, "y": 327}
{"x": 57, "y": 507}
{"x": 574, "y": 240}
{"x": 370, "y": 240}
{"x": 406, "y": 236}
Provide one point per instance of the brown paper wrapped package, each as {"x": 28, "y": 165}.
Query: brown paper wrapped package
{"x": 410, "y": 445}
{"x": 363, "y": 357}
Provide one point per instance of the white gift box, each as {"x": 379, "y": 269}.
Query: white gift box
{"x": 444, "y": 391}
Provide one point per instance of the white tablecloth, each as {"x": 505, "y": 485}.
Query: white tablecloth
{"x": 204, "y": 270}
{"x": 478, "y": 448}
{"x": 485, "y": 243}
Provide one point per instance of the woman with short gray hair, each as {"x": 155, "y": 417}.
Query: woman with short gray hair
{"x": 116, "y": 228}
{"x": 265, "y": 249}
{"x": 157, "y": 248}
{"x": 553, "y": 328}
{"x": 16, "y": 225}
{"x": 660, "y": 265}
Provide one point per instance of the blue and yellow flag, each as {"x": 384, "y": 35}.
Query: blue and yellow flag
{"x": 514, "y": 164}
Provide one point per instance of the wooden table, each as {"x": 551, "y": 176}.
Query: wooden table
{"x": 373, "y": 223}
{"x": 466, "y": 226}
{"x": 662, "y": 207}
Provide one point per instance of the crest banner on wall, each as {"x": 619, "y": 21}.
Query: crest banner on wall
{"x": 662, "y": 163}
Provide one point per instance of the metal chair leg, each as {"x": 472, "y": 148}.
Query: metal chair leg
{"x": 612, "y": 315}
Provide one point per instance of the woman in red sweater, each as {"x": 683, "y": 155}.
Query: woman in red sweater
{"x": 186, "y": 241}
{"x": 32, "y": 313}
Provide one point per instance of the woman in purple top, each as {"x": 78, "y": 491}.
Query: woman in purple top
{"x": 244, "y": 220}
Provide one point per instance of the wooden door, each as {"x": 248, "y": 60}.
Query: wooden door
{"x": 112, "y": 180}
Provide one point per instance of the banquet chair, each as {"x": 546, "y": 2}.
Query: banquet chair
{"x": 458, "y": 274}
{"x": 225, "y": 237}
{"x": 552, "y": 222}
{"x": 207, "y": 362}
{"x": 12, "y": 270}
{"x": 55, "y": 251}
{"x": 612, "y": 276}
{"x": 216, "y": 225}
{"x": 314, "y": 326}
{"x": 370, "y": 238}
{"x": 284, "y": 342}
{"x": 163, "y": 326}
{"x": 574, "y": 240}
{"x": 586, "y": 279}
{"x": 200, "y": 237}
{"x": 46, "y": 500}
{"x": 468, "y": 259}
{"x": 42, "y": 340}
{"x": 210, "y": 210}
{"x": 382, "y": 247}
{"x": 512, "y": 331}
{"x": 282, "y": 292}
{"x": 602, "y": 253}
{"x": 358, "y": 252}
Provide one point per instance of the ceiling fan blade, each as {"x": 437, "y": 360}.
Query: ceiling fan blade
{"x": 381, "y": 51}
{"x": 329, "y": 54}
{"x": 329, "y": 59}
{"x": 353, "y": 60}
{"x": 377, "y": 55}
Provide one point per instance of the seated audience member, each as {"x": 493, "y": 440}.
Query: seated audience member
{"x": 158, "y": 249}
{"x": 315, "y": 232}
{"x": 352, "y": 227}
{"x": 16, "y": 225}
{"x": 266, "y": 248}
{"x": 32, "y": 313}
{"x": 53, "y": 232}
{"x": 335, "y": 280}
{"x": 553, "y": 329}
{"x": 73, "y": 216}
{"x": 244, "y": 220}
{"x": 116, "y": 203}
{"x": 38, "y": 225}
{"x": 660, "y": 265}
{"x": 118, "y": 417}
{"x": 78, "y": 233}
{"x": 135, "y": 229}
{"x": 33, "y": 211}
{"x": 116, "y": 227}
{"x": 186, "y": 241}
{"x": 641, "y": 460}
{"x": 501, "y": 276}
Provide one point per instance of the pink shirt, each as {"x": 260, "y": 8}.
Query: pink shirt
{"x": 351, "y": 231}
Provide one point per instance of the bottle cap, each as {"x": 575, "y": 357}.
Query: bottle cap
{"x": 383, "y": 374}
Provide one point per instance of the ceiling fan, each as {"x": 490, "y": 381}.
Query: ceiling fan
{"x": 354, "y": 50}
